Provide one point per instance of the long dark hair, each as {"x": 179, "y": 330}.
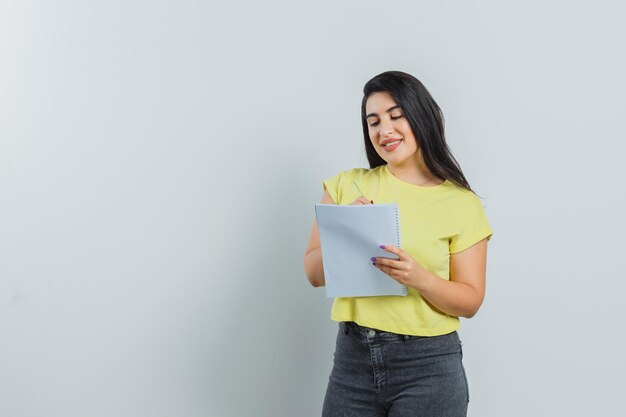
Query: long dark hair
{"x": 424, "y": 117}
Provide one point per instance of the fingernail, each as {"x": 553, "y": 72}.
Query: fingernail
{"x": 373, "y": 259}
{"x": 382, "y": 246}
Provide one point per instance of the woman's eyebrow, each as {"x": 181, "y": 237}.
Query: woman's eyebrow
{"x": 386, "y": 111}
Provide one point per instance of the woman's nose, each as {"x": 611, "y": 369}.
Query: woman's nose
{"x": 386, "y": 129}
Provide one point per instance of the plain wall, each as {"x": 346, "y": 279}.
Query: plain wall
{"x": 159, "y": 163}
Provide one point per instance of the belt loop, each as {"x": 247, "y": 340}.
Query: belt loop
{"x": 345, "y": 327}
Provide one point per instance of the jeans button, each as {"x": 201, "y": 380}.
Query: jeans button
{"x": 371, "y": 333}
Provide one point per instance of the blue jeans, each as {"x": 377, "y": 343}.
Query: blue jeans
{"x": 377, "y": 373}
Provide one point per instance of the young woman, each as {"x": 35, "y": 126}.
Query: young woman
{"x": 401, "y": 356}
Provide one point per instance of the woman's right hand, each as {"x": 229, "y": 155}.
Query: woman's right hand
{"x": 362, "y": 201}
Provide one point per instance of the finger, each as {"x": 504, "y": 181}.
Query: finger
{"x": 387, "y": 270}
{"x": 360, "y": 201}
{"x": 400, "y": 276}
{"x": 391, "y": 263}
{"x": 393, "y": 249}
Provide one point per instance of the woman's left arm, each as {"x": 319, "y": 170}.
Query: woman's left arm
{"x": 462, "y": 296}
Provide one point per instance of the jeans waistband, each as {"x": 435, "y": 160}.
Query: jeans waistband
{"x": 369, "y": 334}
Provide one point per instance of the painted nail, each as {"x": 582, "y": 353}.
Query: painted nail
{"x": 383, "y": 246}
{"x": 373, "y": 259}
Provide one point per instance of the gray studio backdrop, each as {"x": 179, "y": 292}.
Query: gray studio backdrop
{"x": 159, "y": 162}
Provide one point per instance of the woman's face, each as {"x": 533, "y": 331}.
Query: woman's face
{"x": 389, "y": 130}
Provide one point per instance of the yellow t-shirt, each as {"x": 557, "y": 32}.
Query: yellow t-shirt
{"x": 434, "y": 222}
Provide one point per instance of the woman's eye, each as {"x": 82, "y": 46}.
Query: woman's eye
{"x": 392, "y": 118}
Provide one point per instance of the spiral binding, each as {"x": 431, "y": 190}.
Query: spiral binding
{"x": 404, "y": 289}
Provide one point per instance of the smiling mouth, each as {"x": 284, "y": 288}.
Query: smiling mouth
{"x": 390, "y": 144}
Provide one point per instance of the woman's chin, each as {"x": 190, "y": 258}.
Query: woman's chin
{"x": 396, "y": 161}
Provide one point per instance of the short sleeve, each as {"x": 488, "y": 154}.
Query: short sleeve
{"x": 473, "y": 225}
{"x": 332, "y": 185}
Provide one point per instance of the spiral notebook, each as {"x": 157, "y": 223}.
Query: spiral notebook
{"x": 350, "y": 236}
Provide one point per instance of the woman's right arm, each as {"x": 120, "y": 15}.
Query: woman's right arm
{"x": 313, "y": 255}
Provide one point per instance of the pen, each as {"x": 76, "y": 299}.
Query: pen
{"x": 357, "y": 187}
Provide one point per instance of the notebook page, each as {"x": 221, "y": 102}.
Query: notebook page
{"x": 350, "y": 235}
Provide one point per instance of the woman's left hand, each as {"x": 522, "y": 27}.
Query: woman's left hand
{"x": 405, "y": 270}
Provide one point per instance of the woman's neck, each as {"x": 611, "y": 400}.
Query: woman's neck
{"x": 414, "y": 173}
